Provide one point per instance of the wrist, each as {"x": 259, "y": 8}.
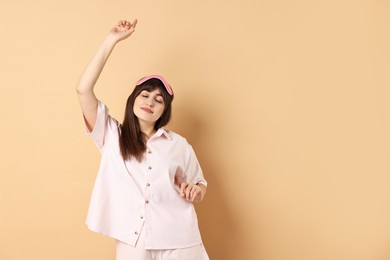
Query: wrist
{"x": 110, "y": 40}
{"x": 203, "y": 189}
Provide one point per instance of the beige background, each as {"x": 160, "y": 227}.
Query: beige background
{"x": 285, "y": 102}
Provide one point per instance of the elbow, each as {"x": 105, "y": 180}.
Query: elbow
{"x": 80, "y": 90}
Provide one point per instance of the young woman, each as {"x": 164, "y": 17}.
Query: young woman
{"x": 148, "y": 176}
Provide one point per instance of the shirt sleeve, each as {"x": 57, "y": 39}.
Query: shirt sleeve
{"x": 99, "y": 130}
{"x": 193, "y": 173}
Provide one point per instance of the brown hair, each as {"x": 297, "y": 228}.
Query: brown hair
{"x": 132, "y": 141}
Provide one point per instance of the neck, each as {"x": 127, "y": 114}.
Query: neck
{"x": 147, "y": 129}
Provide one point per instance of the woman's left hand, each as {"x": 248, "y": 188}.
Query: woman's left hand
{"x": 192, "y": 192}
{"x": 123, "y": 30}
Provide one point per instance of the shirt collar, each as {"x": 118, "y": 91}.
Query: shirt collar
{"x": 162, "y": 132}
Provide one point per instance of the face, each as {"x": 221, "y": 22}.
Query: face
{"x": 149, "y": 106}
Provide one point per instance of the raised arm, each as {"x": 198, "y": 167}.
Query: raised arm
{"x": 86, "y": 83}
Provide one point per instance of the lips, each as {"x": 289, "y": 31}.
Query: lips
{"x": 147, "y": 110}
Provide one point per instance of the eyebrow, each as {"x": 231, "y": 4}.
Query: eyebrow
{"x": 158, "y": 94}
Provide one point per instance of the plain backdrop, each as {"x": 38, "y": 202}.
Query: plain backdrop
{"x": 284, "y": 101}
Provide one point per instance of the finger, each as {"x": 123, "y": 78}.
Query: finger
{"x": 188, "y": 191}
{"x": 118, "y": 25}
{"x": 183, "y": 187}
{"x": 193, "y": 190}
{"x": 134, "y": 23}
{"x": 123, "y": 23}
{"x": 195, "y": 193}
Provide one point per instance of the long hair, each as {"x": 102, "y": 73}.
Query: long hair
{"x": 132, "y": 141}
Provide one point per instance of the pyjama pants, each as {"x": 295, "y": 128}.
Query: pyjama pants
{"x": 126, "y": 252}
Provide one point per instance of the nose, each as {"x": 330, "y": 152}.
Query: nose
{"x": 150, "y": 103}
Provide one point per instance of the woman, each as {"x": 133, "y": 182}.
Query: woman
{"x": 148, "y": 176}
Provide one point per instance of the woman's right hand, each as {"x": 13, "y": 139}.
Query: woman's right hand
{"x": 122, "y": 30}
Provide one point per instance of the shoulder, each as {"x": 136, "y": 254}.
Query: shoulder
{"x": 104, "y": 112}
{"x": 176, "y": 139}
{"x": 175, "y": 136}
